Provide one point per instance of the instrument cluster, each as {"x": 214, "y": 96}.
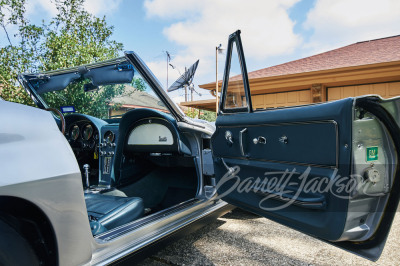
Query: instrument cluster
{"x": 83, "y": 135}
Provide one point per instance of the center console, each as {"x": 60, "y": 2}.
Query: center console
{"x": 107, "y": 147}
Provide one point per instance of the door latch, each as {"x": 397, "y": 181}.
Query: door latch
{"x": 228, "y": 137}
{"x": 260, "y": 140}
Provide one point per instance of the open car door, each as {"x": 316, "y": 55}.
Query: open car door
{"x": 329, "y": 170}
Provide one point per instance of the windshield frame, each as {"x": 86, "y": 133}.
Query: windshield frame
{"x": 132, "y": 57}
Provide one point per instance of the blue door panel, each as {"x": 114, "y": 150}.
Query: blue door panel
{"x": 291, "y": 142}
{"x": 318, "y": 147}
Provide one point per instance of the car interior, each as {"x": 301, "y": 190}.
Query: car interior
{"x": 148, "y": 177}
{"x": 132, "y": 166}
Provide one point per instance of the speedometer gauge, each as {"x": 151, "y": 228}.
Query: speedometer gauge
{"x": 74, "y": 132}
{"x": 87, "y": 132}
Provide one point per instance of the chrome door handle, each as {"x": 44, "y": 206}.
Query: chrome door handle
{"x": 241, "y": 141}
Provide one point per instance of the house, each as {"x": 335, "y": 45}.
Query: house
{"x": 368, "y": 67}
{"x": 133, "y": 99}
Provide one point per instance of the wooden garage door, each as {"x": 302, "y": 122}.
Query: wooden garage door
{"x": 281, "y": 99}
{"x": 386, "y": 90}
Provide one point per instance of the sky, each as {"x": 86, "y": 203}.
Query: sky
{"x": 273, "y": 31}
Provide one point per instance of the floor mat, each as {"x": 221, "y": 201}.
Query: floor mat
{"x": 164, "y": 187}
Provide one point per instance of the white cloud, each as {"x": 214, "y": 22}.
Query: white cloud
{"x": 266, "y": 27}
{"x": 199, "y": 26}
{"x": 341, "y": 22}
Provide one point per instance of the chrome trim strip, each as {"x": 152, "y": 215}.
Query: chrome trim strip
{"x": 119, "y": 231}
{"x": 241, "y": 141}
{"x": 159, "y": 234}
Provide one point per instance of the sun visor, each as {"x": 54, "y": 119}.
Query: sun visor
{"x": 104, "y": 75}
{"x": 114, "y": 74}
{"x": 44, "y": 83}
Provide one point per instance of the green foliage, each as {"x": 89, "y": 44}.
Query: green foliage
{"x": 201, "y": 114}
{"x": 192, "y": 112}
{"x": 208, "y": 116}
{"x": 139, "y": 84}
{"x": 15, "y": 59}
{"x": 73, "y": 37}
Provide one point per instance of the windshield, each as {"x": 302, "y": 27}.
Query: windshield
{"x": 104, "y": 92}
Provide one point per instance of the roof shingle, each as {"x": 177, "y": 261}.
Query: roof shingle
{"x": 357, "y": 54}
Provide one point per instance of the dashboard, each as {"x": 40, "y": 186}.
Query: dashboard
{"x": 140, "y": 132}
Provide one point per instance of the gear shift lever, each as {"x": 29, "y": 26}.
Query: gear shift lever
{"x": 86, "y": 168}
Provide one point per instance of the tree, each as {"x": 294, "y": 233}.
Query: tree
{"x": 17, "y": 58}
{"x": 201, "y": 114}
{"x": 139, "y": 84}
{"x": 73, "y": 37}
{"x": 208, "y": 115}
{"x": 95, "y": 103}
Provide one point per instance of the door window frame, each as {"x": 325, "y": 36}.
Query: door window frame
{"x": 234, "y": 38}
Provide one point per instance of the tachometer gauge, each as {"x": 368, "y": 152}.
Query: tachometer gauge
{"x": 87, "y": 132}
{"x": 74, "y": 132}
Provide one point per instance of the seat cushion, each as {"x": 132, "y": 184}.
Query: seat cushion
{"x": 107, "y": 212}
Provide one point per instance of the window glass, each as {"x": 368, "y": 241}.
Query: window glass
{"x": 105, "y": 101}
{"x": 235, "y": 92}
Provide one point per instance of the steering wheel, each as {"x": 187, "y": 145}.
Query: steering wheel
{"x": 62, "y": 118}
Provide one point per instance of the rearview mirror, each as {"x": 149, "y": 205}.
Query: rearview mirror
{"x": 90, "y": 87}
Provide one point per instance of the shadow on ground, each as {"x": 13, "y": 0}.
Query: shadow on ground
{"x": 213, "y": 245}
{"x": 239, "y": 214}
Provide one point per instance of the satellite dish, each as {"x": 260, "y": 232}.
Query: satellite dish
{"x": 186, "y": 78}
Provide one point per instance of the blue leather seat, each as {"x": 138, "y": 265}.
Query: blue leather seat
{"x": 107, "y": 212}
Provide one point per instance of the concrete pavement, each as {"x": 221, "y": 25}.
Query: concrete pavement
{"x": 242, "y": 238}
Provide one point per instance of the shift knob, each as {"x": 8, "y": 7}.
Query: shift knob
{"x": 86, "y": 168}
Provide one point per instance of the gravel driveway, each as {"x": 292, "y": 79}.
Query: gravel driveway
{"x": 242, "y": 238}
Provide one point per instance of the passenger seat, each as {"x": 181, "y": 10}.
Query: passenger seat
{"x": 107, "y": 212}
